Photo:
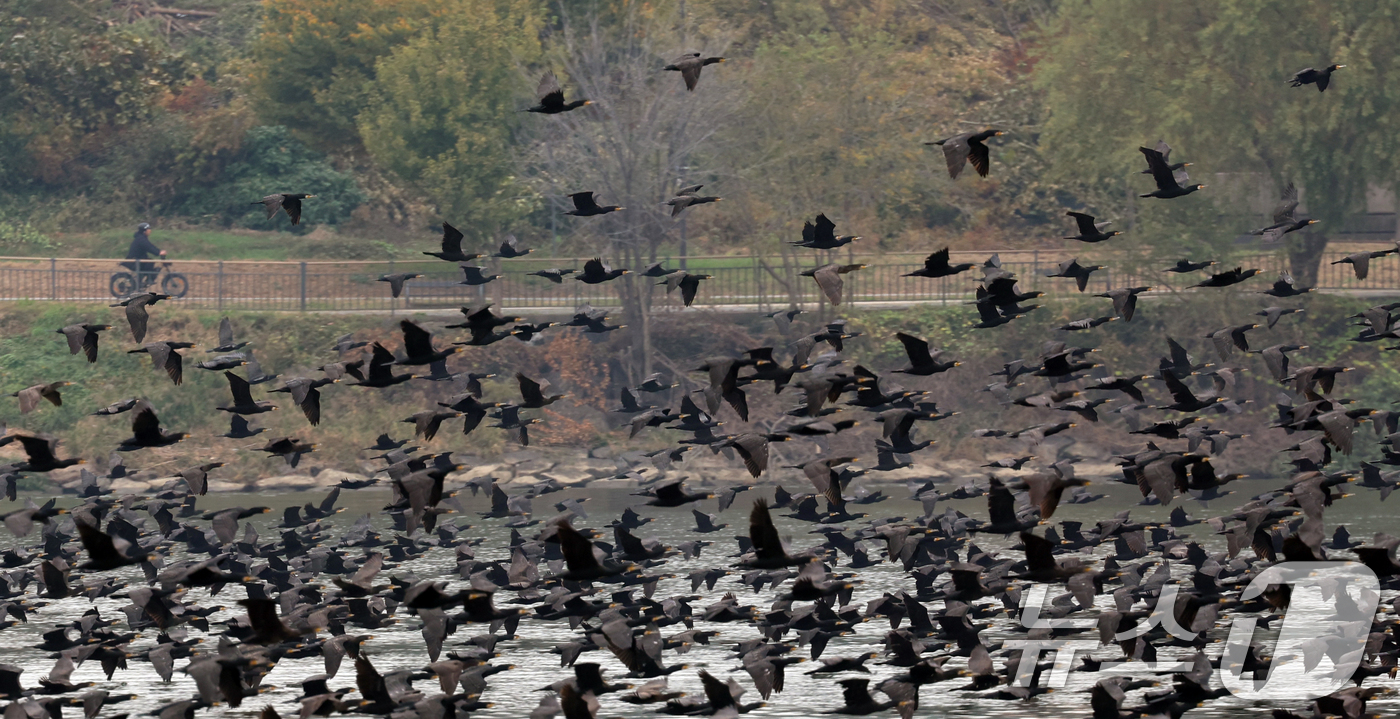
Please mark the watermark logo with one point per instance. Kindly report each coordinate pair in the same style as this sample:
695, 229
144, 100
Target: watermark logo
1323, 636
1321, 639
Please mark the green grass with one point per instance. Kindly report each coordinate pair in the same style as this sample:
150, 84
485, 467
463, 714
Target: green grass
323, 244
293, 343
234, 245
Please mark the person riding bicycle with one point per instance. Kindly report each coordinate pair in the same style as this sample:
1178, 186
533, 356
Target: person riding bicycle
141, 248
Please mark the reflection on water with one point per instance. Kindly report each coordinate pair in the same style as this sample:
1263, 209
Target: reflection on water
514, 692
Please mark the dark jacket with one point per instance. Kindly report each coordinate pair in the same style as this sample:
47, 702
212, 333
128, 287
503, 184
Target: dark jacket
141, 247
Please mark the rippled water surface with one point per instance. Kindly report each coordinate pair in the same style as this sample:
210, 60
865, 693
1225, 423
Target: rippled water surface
514, 693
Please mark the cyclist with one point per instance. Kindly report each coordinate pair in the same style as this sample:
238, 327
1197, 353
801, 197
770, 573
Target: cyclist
141, 248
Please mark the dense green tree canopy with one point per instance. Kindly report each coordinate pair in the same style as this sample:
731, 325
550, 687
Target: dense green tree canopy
315, 60
1211, 76
67, 81
442, 108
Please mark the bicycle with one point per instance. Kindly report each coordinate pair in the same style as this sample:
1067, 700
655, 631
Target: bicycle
124, 284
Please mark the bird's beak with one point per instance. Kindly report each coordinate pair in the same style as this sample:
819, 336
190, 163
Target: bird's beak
588, 102
999, 133
1312, 222
1340, 66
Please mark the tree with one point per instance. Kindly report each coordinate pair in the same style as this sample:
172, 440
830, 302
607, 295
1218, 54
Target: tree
315, 61
1211, 77
67, 80
442, 109
631, 147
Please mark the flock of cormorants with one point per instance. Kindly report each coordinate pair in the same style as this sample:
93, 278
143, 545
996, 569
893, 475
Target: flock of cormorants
306, 595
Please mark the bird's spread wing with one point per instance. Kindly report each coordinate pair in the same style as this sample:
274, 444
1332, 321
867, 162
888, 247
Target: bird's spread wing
955, 152
242, 395
1161, 171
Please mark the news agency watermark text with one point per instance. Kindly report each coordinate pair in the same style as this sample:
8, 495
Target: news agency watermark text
1321, 639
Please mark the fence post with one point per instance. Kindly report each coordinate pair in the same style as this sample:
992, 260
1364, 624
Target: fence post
53, 278
758, 281
303, 286
220, 285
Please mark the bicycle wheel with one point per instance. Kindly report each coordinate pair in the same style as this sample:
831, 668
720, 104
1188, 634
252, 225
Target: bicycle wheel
174, 285
122, 284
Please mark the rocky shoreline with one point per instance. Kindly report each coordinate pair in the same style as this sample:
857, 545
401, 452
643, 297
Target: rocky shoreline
529, 466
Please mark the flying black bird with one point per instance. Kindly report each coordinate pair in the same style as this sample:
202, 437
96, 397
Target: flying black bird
582, 565
828, 279
83, 338
822, 235
1310, 76
1124, 300
452, 246
595, 272
586, 206
688, 197
1090, 231
688, 283
551, 97
306, 395
1184, 266
768, 551
166, 356
921, 361
554, 275
397, 280
1283, 220
1178, 168
1361, 261
689, 66
289, 449
284, 202
1227, 338
1071, 269
418, 346
104, 553
1283, 287
510, 249
41, 452
936, 265
967, 148
426, 422
1272, 314
532, 393
227, 342
1167, 183
243, 402
1087, 323
1227, 278
673, 494
655, 269
146, 430
268, 628
29, 397
136, 314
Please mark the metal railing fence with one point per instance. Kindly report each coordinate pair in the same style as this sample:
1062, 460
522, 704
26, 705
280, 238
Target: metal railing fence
759, 282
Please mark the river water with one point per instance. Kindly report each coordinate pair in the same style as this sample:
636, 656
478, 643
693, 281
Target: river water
514, 693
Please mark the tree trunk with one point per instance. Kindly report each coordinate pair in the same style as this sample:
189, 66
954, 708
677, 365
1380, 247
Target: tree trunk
636, 300
1305, 249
